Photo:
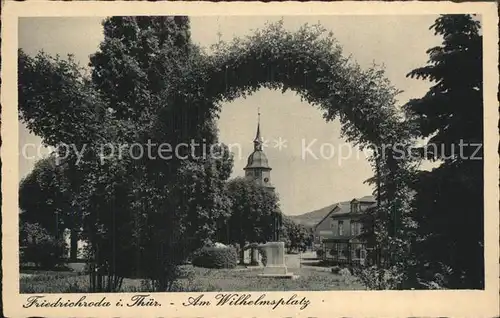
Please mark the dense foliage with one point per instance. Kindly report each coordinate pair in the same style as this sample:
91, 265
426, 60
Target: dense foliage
379, 278
125, 203
363, 100
216, 257
296, 236
40, 247
150, 84
253, 211
44, 199
449, 203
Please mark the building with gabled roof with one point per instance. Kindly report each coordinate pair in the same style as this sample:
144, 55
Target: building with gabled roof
338, 233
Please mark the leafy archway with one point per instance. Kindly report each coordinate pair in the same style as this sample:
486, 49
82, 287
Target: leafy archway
311, 64
152, 84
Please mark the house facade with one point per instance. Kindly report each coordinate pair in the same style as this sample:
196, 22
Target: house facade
338, 233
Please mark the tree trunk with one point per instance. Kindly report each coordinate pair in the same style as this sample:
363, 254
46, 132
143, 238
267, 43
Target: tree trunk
73, 253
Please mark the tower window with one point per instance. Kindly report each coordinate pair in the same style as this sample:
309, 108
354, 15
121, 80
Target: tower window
258, 173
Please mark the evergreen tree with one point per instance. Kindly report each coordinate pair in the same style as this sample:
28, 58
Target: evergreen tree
449, 203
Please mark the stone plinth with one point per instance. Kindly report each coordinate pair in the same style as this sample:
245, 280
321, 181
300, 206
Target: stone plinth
275, 263
254, 253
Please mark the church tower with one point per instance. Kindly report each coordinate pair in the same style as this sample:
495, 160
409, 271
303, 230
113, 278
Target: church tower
257, 166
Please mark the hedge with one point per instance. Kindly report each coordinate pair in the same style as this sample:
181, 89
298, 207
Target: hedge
216, 257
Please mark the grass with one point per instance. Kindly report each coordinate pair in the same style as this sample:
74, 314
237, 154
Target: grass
310, 280
198, 280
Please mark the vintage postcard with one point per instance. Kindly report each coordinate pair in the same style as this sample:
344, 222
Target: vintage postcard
183, 159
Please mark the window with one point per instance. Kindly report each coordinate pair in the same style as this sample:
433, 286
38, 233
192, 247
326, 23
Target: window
341, 228
355, 207
354, 228
358, 253
258, 173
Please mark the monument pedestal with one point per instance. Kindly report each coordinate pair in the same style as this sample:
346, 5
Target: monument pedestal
275, 261
254, 257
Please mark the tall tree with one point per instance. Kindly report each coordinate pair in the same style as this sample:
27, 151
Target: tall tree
137, 60
57, 102
252, 213
449, 203
44, 199
296, 235
127, 100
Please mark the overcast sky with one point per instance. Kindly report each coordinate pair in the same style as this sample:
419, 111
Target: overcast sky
303, 182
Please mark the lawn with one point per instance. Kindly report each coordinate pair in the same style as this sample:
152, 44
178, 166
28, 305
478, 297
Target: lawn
198, 280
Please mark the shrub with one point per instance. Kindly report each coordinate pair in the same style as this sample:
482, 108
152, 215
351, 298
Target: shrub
345, 272
39, 247
186, 272
435, 277
214, 257
348, 278
376, 278
335, 269
319, 253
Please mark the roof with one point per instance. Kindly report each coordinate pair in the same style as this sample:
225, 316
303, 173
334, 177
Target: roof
258, 138
368, 198
257, 159
328, 214
310, 219
365, 199
344, 208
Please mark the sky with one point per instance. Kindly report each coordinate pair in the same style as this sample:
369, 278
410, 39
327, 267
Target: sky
304, 180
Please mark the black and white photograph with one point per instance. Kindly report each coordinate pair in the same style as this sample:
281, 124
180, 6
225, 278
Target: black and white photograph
233, 154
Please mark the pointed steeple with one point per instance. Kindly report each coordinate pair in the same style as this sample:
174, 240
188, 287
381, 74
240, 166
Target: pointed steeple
257, 166
257, 142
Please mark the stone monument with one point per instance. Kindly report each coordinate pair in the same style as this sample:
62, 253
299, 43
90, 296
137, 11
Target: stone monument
275, 261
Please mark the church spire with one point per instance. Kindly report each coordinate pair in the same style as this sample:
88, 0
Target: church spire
257, 142
257, 166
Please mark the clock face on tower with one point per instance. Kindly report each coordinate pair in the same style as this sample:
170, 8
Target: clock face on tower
266, 179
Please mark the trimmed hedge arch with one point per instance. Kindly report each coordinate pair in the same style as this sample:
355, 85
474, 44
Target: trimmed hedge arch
310, 63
